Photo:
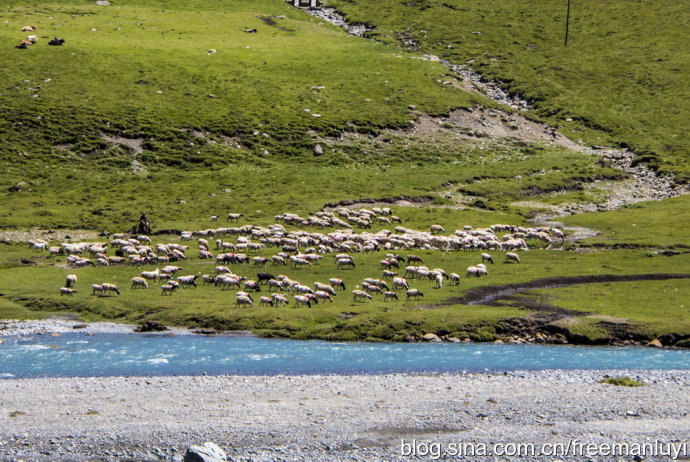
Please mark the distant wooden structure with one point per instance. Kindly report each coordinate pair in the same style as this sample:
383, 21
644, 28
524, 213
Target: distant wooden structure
304, 3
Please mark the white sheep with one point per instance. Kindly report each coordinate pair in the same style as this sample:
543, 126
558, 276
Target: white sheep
454, 279
67, 291
414, 293
187, 280
400, 283
279, 299
151, 275
107, 288
169, 287
71, 280
301, 300
139, 283
321, 294
487, 257
512, 257
388, 295
243, 300
439, 281
337, 283
360, 295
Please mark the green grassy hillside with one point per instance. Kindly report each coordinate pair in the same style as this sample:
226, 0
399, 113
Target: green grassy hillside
622, 78
143, 70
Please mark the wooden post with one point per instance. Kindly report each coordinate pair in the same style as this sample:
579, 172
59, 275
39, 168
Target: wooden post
567, 24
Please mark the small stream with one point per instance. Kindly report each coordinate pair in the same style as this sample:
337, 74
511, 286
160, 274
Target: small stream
80, 355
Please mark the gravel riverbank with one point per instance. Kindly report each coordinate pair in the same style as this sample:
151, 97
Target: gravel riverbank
61, 326
332, 418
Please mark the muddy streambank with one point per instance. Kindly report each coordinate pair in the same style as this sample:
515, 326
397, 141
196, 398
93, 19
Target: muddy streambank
546, 323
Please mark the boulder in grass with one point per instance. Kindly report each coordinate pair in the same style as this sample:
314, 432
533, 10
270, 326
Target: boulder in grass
318, 150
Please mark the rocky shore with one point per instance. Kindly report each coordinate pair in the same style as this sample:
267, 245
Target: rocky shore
61, 326
333, 418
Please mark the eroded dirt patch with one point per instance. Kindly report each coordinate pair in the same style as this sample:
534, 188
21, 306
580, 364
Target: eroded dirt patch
489, 295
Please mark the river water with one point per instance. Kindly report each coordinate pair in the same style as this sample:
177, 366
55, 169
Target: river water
78, 355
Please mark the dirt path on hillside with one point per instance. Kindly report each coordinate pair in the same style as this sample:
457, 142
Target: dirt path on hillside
643, 185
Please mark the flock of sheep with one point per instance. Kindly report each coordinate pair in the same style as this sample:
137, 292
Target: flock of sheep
33, 39
297, 249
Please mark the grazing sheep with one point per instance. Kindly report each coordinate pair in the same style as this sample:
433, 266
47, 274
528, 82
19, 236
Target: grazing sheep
279, 299
345, 262
337, 283
263, 301
139, 283
168, 288
389, 274
252, 286
263, 278
96, 289
299, 262
321, 294
454, 279
512, 257
437, 229
277, 260
400, 283
234, 217
360, 295
260, 261
302, 300
439, 281
414, 293
187, 280
487, 257
152, 275
107, 288
477, 271
388, 295
242, 300
208, 279
415, 258
67, 291
71, 280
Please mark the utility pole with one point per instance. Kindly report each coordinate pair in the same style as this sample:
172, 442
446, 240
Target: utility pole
567, 24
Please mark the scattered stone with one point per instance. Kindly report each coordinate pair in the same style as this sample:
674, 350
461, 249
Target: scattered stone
318, 150
103, 2
431, 337
655, 343
150, 326
22, 185
206, 331
207, 452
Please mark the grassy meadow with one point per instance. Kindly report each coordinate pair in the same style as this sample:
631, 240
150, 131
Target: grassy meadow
174, 108
621, 79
